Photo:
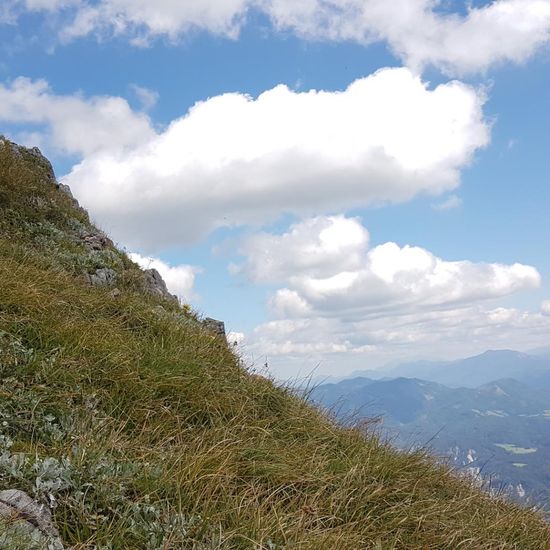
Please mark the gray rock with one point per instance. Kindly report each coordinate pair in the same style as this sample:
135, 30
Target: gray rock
96, 241
215, 326
115, 293
102, 277
27, 524
65, 189
154, 284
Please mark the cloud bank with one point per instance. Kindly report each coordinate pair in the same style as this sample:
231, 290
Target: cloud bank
420, 32
330, 271
346, 304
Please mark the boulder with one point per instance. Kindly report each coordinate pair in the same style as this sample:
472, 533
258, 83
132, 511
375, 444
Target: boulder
26, 523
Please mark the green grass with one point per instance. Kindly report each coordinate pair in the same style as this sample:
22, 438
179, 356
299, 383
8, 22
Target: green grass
146, 431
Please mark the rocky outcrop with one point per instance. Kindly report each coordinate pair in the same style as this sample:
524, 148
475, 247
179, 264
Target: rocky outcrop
26, 524
154, 284
215, 326
33, 155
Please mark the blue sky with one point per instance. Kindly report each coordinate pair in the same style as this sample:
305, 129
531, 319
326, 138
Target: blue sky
397, 211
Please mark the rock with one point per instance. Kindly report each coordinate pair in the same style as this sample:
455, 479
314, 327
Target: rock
154, 284
102, 277
96, 241
115, 293
27, 524
215, 326
66, 189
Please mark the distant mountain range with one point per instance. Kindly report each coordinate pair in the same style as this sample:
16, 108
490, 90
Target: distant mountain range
474, 371
489, 414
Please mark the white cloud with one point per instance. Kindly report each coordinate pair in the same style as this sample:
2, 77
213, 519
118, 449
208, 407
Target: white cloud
448, 204
235, 338
329, 271
235, 160
315, 246
145, 19
179, 279
347, 306
503, 30
416, 30
72, 123
545, 307
49, 5
148, 98
10, 10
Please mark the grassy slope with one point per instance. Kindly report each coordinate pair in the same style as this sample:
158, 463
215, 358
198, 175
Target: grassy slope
147, 432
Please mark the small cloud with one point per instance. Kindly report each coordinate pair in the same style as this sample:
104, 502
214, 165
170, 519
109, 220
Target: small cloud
512, 143
148, 98
451, 202
299, 84
545, 307
235, 338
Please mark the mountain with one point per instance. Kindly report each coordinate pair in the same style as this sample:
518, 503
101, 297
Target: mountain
474, 371
500, 430
137, 427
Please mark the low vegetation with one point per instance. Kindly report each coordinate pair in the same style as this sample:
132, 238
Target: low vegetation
142, 430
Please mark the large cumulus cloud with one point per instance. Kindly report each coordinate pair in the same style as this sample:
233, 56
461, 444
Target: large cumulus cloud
235, 160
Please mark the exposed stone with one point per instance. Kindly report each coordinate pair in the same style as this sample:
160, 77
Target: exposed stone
66, 189
102, 277
96, 241
215, 326
26, 523
115, 293
154, 284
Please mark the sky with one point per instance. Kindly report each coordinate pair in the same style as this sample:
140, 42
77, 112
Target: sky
346, 183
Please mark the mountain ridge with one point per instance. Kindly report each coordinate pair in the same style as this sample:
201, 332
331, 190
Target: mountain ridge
471, 371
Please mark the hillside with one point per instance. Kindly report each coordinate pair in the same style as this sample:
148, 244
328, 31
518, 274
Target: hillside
140, 429
500, 431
